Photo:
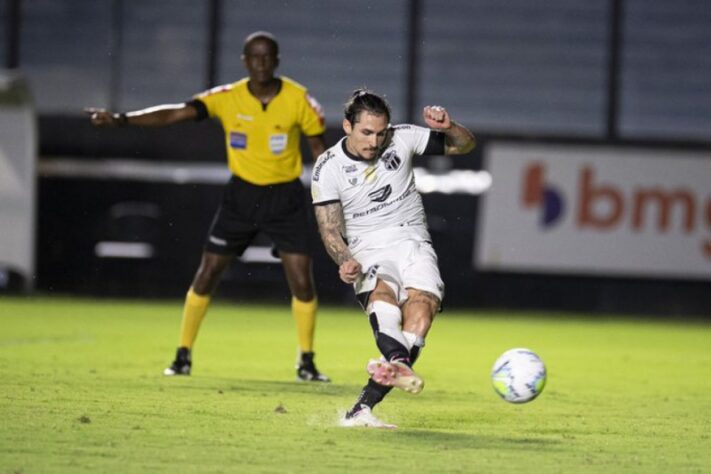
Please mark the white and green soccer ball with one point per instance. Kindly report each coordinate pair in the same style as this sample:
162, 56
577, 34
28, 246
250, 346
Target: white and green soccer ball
519, 375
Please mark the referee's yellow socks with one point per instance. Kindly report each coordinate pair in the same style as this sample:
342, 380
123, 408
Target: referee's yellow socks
305, 316
193, 313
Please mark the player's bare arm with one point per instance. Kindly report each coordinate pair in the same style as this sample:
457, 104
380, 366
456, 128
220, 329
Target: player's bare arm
331, 225
459, 140
157, 116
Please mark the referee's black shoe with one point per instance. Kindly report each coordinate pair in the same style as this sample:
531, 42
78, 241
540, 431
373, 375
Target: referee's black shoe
306, 370
181, 364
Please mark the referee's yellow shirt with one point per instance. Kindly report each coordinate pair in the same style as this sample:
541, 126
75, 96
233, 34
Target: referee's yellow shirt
263, 142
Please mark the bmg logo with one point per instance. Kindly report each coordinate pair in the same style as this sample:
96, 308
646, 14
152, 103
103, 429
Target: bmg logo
537, 193
598, 206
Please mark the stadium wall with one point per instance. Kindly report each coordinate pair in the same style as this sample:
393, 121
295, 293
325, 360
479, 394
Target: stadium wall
124, 213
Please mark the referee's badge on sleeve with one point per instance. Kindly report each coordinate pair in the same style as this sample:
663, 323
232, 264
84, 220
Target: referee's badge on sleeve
238, 140
278, 142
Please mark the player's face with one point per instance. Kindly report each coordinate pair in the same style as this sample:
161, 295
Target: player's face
367, 135
260, 60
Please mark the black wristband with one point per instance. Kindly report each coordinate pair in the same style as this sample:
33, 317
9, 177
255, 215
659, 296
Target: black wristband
121, 119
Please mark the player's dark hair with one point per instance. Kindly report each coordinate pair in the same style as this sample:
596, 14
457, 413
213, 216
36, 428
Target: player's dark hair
363, 100
261, 35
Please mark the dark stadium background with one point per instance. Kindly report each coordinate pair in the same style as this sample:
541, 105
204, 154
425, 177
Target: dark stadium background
627, 73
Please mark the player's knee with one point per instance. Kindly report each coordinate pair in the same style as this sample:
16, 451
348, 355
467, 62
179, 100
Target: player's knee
304, 293
302, 287
208, 276
382, 296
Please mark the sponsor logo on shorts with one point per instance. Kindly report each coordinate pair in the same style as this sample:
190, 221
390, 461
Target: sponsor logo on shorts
371, 273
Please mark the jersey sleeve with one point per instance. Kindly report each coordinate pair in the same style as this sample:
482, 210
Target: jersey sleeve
200, 108
324, 183
421, 140
435, 144
212, 99
311, 119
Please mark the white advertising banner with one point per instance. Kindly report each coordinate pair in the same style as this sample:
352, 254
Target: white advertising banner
18, 157
598, 211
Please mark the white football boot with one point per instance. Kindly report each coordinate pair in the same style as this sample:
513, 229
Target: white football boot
365, 418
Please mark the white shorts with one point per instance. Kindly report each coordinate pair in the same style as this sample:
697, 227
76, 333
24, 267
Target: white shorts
407, 264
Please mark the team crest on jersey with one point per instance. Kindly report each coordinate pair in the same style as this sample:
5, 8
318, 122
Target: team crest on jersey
390, 160
381, 194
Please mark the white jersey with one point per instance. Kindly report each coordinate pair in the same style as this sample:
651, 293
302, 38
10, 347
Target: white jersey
379, 198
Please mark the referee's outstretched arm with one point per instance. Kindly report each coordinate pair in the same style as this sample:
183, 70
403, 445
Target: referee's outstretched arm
157, 116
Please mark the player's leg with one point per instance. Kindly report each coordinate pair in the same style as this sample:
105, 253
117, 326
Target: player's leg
197, 300
231, 232
385, 319
425, 290
418, 313
297, 268
284, 217
394, 370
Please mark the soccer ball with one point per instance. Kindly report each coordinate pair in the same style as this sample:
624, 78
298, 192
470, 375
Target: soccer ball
519, 375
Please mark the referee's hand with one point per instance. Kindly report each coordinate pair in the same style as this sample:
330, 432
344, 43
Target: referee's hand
101, 117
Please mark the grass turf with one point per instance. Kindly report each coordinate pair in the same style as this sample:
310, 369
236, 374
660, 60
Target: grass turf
82, 391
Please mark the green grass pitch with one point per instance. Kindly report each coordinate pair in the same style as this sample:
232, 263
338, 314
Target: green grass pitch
82, 391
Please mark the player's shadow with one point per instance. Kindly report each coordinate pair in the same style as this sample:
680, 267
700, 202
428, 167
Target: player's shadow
447, 440
272, 386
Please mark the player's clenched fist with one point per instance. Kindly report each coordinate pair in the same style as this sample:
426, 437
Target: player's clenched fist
349, 271
436, 117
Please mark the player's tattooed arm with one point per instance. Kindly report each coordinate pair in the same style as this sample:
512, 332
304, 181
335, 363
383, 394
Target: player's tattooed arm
459, 140
332, 227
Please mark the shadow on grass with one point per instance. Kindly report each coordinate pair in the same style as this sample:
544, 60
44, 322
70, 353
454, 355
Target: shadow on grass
230, 385
446, 440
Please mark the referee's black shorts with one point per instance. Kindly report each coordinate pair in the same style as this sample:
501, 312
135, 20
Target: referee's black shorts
278, 210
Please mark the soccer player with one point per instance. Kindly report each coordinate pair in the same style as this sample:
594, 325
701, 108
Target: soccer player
373, 226
263, 117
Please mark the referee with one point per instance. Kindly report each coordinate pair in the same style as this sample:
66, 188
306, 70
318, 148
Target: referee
263, 117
